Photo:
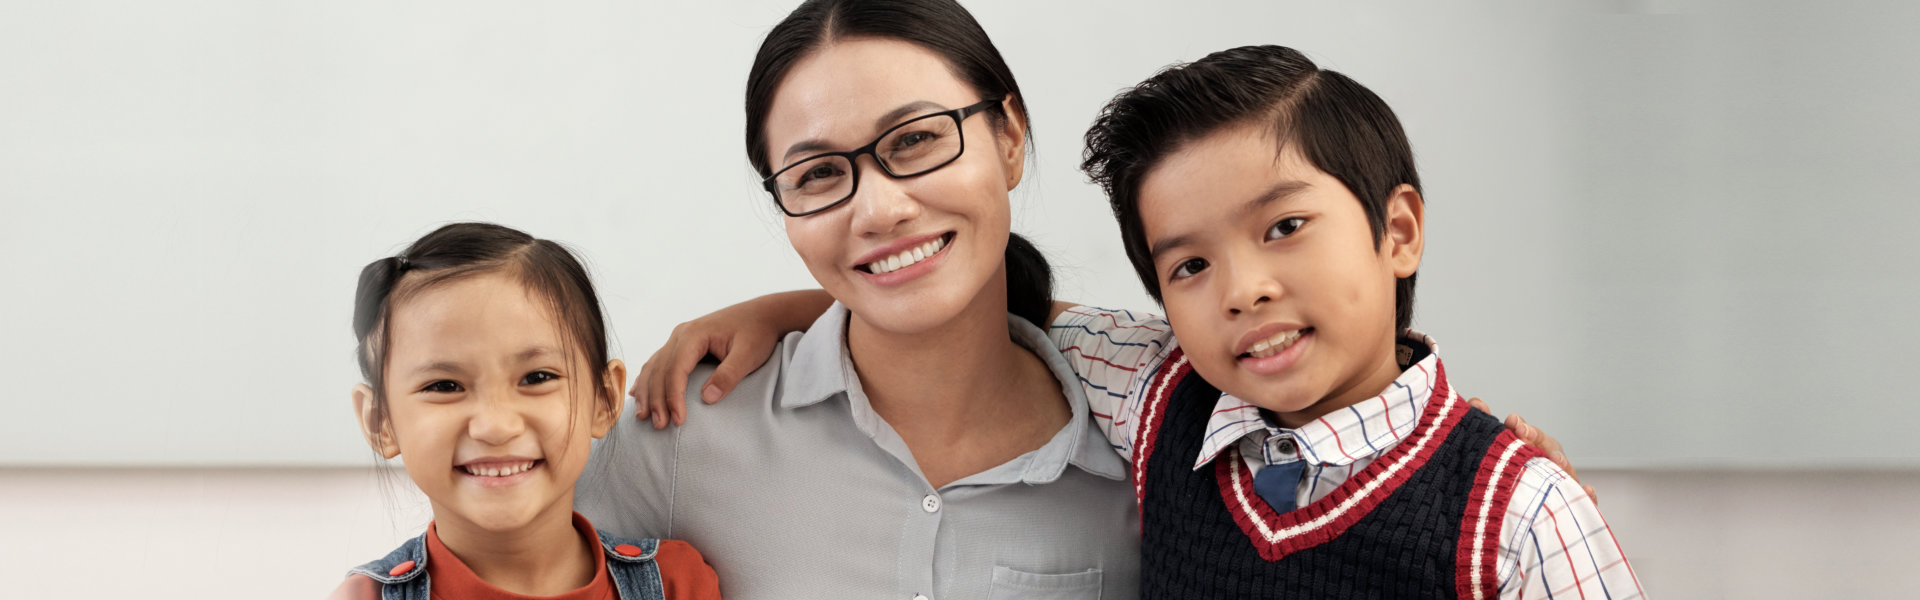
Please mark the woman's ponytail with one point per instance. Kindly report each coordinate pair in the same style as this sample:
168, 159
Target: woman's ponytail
1029, 281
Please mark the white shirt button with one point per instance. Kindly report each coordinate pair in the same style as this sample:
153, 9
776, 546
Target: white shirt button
1285, 445
931, 503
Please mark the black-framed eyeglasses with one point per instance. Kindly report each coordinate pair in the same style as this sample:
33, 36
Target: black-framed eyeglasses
910, 149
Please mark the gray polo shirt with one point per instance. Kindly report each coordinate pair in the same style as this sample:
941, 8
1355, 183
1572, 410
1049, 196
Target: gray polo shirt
793, 487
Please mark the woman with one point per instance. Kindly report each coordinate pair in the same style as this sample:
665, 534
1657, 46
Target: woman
917, 441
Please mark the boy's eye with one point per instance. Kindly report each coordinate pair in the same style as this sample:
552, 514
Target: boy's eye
1188, 268
443, 386
538, 377
1285, 228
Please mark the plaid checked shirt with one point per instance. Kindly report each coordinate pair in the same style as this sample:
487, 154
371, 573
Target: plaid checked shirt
1553, 541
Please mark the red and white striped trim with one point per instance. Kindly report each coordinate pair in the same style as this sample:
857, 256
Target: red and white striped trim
1276, 535
1176, 368
1480, 527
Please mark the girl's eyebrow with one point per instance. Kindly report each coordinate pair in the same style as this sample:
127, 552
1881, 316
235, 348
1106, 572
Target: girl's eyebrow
535, 352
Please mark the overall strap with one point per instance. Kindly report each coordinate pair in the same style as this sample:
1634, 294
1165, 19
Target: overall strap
402, 573
631, 563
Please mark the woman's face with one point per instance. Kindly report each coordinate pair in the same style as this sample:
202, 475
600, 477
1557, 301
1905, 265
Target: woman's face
905, 255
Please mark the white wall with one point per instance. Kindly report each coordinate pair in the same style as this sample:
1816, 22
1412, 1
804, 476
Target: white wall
1667, 231
248, 533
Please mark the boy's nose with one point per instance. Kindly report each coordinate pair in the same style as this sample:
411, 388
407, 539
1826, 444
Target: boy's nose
1250, 289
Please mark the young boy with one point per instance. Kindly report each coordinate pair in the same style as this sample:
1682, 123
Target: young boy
1298, 439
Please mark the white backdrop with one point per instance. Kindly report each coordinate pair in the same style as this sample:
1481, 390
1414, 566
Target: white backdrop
1671, 233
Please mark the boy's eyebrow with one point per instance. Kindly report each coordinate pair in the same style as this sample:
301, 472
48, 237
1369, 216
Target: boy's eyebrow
1280, 191
880, 123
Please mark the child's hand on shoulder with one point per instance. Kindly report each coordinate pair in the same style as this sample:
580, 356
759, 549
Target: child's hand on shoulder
1533, 436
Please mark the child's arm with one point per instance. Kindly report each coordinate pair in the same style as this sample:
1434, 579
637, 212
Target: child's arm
741, 336
1554, 543
1115, 353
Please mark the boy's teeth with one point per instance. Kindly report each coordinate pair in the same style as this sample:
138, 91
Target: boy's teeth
1273, 345
906, 258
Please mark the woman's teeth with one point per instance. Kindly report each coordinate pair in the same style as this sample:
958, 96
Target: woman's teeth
1274, 345
908, 257
498, 469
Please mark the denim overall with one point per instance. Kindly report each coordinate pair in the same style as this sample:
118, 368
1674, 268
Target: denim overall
635, 577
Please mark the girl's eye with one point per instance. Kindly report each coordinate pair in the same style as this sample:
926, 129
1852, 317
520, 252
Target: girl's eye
1285, 228
538, 377
443, 386
1188, 268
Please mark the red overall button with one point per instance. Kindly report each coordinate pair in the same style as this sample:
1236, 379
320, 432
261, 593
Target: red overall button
627, 550
400, 569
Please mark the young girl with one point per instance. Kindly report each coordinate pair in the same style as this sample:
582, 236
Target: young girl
485, 357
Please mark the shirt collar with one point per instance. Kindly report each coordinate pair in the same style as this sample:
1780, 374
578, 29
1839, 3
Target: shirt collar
819, 366
1345, 436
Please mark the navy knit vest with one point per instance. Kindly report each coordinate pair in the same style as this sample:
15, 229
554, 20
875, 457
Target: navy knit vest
1421, 521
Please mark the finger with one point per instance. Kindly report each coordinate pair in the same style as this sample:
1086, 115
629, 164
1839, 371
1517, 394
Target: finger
735, 364
1592, 494
670, 384
638, 393
1476, 402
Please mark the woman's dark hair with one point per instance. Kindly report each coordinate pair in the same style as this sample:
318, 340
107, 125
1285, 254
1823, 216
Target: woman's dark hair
463, 250
941, 26
1338, 125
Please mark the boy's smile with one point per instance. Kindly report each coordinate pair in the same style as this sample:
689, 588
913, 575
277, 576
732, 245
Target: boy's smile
1271, 275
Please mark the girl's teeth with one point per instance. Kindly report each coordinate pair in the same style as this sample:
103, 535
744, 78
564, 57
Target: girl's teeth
500, 471
908, 257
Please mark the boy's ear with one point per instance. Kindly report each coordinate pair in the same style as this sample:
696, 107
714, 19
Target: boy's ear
1012, 142
606, 409
1405, 239
374, 428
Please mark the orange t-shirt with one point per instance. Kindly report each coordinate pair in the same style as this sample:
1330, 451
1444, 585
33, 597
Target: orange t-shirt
683, 574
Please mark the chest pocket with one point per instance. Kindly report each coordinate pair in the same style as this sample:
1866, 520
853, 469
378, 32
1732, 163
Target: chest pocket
1010, 584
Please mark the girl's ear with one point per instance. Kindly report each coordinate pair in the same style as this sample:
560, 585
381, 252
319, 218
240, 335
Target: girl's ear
1405, 238
372, 426
1012, 140
606, 409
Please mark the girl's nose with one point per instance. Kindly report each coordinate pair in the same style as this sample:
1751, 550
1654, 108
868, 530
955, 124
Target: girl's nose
496, 420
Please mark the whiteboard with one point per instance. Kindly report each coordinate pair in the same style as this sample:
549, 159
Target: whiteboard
1670, 233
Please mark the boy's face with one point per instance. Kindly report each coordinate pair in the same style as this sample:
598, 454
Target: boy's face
1270, 275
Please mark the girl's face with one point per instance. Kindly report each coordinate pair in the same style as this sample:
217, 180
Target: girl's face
490, 403
863, 252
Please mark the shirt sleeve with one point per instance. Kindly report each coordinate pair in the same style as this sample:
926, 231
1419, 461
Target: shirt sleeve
1115, 353
1554, 544
684, 574
627, 487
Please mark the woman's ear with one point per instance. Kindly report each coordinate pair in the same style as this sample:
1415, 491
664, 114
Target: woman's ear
374, 427
1012, 141
1405, 238
606, 408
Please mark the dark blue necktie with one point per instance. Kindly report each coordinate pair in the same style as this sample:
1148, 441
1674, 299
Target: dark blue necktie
1277, 484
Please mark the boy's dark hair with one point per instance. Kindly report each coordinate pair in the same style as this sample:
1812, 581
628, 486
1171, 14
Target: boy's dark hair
1337, 125
463, 250
943, 27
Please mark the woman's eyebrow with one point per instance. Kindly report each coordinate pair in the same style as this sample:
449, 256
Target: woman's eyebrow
885, 120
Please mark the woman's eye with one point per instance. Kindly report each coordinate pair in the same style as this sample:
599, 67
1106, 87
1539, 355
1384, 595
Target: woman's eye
1188, 268
1285, 227
538, 377
913, 139
817, 173
442, 387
